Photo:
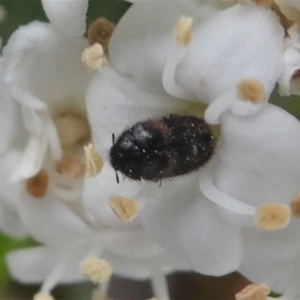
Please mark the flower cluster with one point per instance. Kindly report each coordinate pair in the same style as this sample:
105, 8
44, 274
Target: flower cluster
63, 99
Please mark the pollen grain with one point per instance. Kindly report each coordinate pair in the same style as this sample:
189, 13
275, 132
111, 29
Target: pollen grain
271, 217
125, 209
37, 185
254, 292
251, 89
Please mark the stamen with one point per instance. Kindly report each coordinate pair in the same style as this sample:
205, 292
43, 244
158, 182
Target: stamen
160, 284
72, 127
94, 162
93, 57
70, 166
295, 206
42, 296
125, 209
251, 90
183, 30
254, 292
96, 270
271, 217
37, 186
98, 295
266, 3
100, 32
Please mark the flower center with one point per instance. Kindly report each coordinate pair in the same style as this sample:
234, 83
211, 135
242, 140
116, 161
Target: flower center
73, 129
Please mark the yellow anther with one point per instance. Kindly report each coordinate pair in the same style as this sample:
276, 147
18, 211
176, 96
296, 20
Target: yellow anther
42, 296
94, 162
96, 270
93, 57
251, 90
183, 30
125, 209
271, 217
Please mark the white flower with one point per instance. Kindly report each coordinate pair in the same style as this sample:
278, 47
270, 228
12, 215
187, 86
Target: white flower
222, 66
246, 190
117, 99
45, 76
9, 220
257, 170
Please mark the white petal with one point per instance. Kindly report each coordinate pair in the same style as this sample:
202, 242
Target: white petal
259, 170
10, 222
142, 269
189, 227
32, 159
129, 242
8, 115
141, 41
50, 221
67, 16
97, 192
33, 265
43, 67
115, 104
219, 64
203, 9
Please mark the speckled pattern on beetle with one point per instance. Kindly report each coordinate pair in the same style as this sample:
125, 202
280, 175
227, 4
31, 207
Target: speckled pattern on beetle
163, 148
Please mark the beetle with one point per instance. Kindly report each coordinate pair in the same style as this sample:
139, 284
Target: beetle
162, 148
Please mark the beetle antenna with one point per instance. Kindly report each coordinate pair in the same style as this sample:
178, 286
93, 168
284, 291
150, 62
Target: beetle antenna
113, 138
117, 177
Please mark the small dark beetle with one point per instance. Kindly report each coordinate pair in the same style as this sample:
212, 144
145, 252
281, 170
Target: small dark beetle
163, 148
